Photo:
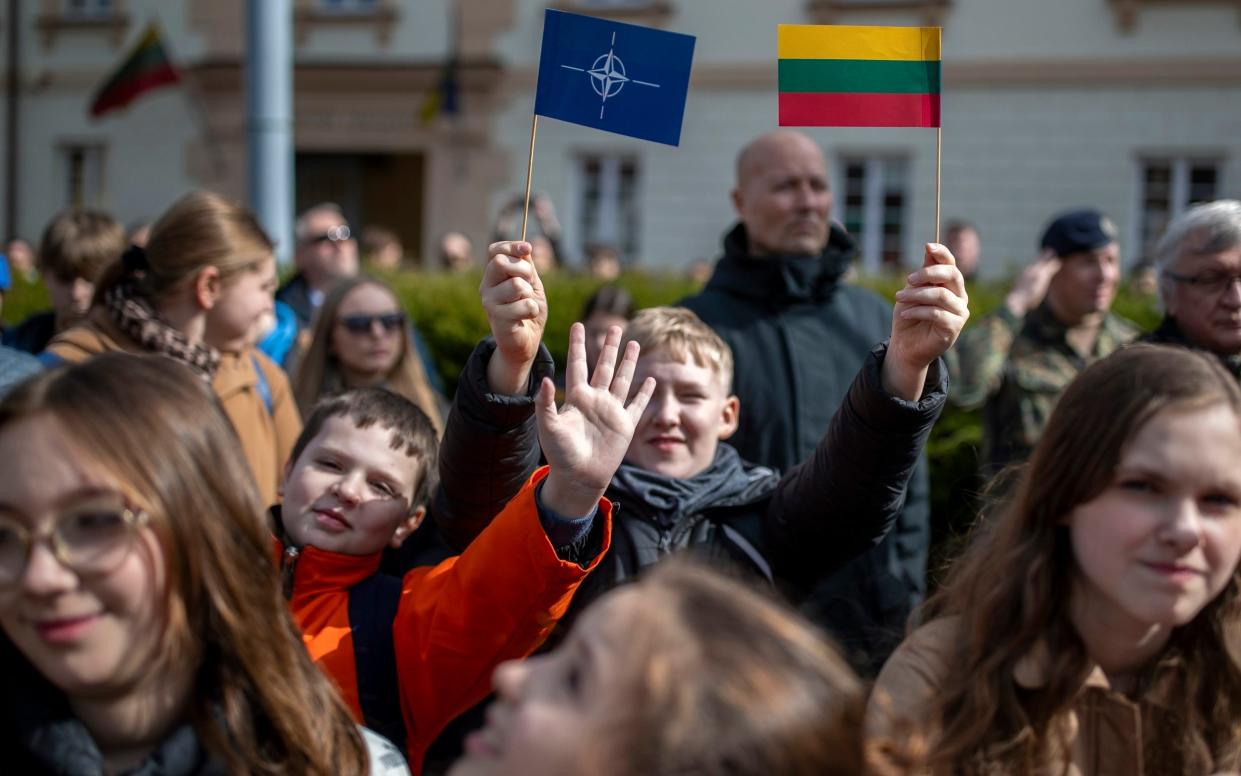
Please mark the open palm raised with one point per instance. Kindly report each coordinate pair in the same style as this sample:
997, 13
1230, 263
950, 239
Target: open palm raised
585, 440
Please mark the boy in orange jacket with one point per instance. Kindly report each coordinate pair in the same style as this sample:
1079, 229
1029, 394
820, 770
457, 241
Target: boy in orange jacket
410, 654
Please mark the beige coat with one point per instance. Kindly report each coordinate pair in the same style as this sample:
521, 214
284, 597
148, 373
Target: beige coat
266, 437
1105, 727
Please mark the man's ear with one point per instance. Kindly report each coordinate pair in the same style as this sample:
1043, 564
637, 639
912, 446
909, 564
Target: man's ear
730, 415
408, 526
207, 287
735, 196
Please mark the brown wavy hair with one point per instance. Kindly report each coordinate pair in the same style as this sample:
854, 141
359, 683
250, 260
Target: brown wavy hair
258, 703
318, 374
723, 680
1010, 592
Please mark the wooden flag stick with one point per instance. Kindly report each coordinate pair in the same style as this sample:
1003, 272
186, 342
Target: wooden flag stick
525, 211
939, 136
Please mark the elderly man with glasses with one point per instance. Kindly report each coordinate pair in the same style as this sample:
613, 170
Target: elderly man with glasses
1198, 261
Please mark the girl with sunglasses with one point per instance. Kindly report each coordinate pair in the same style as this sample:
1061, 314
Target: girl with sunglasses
1095, 625
196, 294
141, 624
361, 339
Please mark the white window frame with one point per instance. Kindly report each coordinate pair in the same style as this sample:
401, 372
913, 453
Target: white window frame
1182, 165
348, 7
870, 240
90, 187
609, 226
93, 9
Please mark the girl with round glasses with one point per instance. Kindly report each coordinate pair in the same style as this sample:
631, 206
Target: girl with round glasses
361, 339
1095, 625
141, 625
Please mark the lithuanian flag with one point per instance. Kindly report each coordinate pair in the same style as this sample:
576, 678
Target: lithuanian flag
146, 67
839, 76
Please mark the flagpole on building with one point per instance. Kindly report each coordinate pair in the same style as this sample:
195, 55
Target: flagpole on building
525, 211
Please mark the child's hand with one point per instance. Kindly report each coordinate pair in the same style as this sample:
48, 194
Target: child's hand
586, 440
927, 319
516, 306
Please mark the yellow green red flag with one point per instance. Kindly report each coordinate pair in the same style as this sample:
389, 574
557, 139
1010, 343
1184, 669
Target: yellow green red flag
847, 76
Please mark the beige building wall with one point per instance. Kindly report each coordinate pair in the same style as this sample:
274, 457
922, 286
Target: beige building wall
1047, 105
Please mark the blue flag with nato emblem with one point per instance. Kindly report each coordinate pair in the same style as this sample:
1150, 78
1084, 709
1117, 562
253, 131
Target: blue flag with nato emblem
614, 76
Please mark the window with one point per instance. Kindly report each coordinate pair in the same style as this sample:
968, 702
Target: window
607, 212
58, 16
930, 12
648, 12
81, 174
1127, 11
1166, 186
875, 196
609, 5
348, 6
88, 8
379, 15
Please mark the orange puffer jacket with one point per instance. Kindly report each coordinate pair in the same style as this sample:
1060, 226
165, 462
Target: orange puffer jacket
450, 624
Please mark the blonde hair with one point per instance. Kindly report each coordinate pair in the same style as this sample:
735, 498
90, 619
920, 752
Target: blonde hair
679, 333
199, 230
318, 374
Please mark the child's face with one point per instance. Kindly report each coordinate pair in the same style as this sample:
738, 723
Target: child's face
688, 415
550, 709
70, 297
349, 491
243, 300
91, 626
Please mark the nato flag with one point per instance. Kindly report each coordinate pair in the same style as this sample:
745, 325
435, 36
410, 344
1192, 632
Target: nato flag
614, 76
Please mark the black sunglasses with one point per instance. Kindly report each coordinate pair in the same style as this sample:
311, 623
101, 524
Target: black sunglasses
362, 324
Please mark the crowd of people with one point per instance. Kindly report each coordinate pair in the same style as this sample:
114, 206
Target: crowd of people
243, 529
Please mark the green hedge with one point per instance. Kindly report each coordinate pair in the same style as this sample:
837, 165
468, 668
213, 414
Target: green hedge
447, 311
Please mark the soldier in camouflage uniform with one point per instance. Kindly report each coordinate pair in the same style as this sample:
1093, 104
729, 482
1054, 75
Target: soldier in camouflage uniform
1199, 265
1015, 362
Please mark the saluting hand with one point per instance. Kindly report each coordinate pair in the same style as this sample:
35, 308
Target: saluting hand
928, 317
587, 438
516, 305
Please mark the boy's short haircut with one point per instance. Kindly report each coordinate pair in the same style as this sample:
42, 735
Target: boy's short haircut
412, 431
80, 243
678, 332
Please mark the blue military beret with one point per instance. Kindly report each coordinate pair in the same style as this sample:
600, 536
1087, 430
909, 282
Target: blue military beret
1077, 231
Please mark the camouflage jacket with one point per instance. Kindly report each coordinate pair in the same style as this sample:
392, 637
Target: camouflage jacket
1169, 333
1016, 369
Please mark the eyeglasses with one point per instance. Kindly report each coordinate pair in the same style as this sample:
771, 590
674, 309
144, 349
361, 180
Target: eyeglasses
334, 235
1207, 282
91, 540
362, 324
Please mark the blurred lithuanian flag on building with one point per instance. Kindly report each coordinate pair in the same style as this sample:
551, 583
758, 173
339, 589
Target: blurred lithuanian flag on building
146, 67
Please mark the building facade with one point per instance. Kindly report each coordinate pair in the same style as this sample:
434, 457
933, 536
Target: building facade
1131, 106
